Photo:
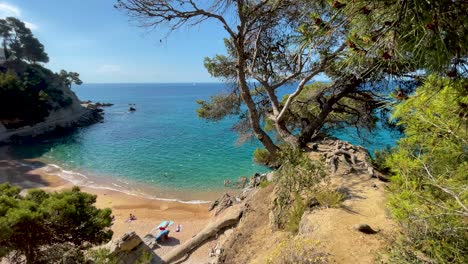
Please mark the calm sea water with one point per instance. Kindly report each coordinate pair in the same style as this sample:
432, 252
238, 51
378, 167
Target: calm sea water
162, 145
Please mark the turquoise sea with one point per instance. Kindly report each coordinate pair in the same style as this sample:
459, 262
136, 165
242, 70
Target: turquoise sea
161, 150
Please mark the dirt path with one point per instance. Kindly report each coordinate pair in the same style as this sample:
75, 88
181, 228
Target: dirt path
334, 228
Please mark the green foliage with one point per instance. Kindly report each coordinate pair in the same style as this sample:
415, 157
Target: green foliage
145, 258
329, 198
296, 181
262, 156
297, 250
264, 183
428, 194
221, 67
101, 256
19, 41
355, 109
30, 225
379, 160
28, 92
218, 107
409, 35
69, 78
295, 214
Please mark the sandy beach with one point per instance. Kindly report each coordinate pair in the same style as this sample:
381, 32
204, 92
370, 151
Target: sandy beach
149, 212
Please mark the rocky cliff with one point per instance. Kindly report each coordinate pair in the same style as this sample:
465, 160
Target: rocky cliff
71, 116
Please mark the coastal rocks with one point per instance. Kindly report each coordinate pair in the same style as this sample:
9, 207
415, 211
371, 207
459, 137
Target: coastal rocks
130, 248
126, 243
257, 179
98, 104
340, 154
58, 120
270, 176
216, 252
222, 203
249, 183
89, 104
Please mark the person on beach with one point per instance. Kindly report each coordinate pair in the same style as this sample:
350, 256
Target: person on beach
131, 218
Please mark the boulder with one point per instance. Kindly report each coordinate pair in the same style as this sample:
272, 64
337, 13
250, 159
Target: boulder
224, 202
130, 248
270, 176
127, 242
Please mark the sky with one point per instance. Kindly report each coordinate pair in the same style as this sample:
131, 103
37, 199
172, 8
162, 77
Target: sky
99, 42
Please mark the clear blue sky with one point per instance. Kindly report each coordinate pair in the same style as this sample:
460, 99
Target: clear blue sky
94, 39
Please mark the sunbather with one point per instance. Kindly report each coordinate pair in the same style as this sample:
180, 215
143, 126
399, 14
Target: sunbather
131, 218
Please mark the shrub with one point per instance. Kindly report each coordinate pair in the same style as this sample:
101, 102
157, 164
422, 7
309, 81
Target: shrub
101, 256
428, 193
31, 226
379, 160
295, 214
329, 198
264, 183
263, 157
297, 178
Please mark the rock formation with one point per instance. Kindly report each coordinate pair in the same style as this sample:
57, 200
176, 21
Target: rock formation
130, 248
74, 115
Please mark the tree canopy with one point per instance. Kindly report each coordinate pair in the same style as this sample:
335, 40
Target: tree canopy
30, 225
19, 42
29, 91
275, 43
429, 193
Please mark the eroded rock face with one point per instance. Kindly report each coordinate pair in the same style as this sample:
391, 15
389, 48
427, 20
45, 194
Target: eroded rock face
130, 248
73, 115
126, 243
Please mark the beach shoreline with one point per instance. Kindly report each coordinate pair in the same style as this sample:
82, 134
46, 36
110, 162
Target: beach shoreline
150, 212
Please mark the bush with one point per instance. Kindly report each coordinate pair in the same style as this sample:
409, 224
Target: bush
32, 225
101, 256
296, 179
295, 214
329, 198
379, 160
428, 193
263, 157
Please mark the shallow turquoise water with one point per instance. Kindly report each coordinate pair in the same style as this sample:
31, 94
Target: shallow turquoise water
163, 143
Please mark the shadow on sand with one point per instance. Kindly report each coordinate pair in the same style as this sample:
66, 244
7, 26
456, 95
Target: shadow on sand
18, 161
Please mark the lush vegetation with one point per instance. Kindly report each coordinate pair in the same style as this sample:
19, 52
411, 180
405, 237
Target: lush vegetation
429, 194
28, 91
37, 225
296, 185
360, 45
278, 43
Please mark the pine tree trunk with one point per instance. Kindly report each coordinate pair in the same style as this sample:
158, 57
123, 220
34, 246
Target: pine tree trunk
254, 117
348, 86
